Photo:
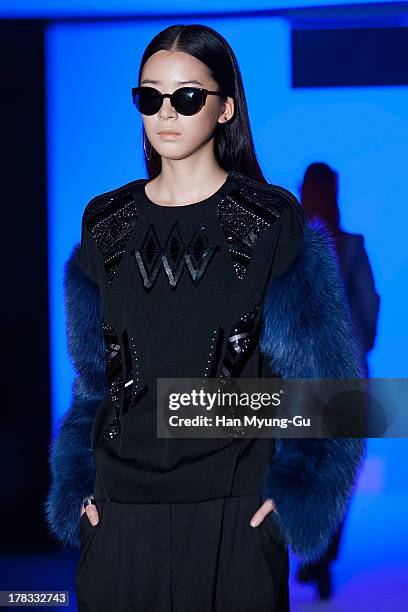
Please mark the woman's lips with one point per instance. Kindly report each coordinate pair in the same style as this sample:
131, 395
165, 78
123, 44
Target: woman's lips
169, 135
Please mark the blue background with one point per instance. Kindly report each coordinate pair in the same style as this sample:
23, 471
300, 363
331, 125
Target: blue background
94, 144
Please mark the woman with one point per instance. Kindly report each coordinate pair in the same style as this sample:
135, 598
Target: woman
201, 270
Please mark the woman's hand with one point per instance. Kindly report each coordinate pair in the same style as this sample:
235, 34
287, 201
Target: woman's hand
263, 511
92, 513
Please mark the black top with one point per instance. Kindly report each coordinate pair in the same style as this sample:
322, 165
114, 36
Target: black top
182, 290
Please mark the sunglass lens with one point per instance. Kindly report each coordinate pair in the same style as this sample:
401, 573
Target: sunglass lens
147, 101
187, 100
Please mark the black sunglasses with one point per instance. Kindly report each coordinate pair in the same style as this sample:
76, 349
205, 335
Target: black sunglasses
185, 100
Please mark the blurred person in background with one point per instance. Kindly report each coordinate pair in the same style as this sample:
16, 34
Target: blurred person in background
319, 192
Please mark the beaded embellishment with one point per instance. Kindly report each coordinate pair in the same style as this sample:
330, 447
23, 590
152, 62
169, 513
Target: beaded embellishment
242, 341
174, 256
244, 214
217, 338
110, 219
133, 388
113, 429
124, 380
114, 375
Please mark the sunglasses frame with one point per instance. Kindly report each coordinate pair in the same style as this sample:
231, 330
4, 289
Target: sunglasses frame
204, 93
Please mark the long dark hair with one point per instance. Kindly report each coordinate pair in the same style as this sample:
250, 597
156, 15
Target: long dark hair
234, 146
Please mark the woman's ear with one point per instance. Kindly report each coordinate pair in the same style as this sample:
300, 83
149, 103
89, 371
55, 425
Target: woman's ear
227, 111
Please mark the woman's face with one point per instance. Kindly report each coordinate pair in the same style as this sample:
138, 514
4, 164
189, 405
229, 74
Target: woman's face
167, 71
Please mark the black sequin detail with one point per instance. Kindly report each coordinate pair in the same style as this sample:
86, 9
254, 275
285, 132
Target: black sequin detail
174, 255
128, 377
114, 373
244, 215
113, 429
110, 219
133, 390
122, 370
138, 388
114, 368
242, 341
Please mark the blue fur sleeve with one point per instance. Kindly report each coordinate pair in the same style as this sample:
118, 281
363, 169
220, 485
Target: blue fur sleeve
70, 454
307, 333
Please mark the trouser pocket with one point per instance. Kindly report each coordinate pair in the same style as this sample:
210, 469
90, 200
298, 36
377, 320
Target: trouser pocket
271, 530
88, 534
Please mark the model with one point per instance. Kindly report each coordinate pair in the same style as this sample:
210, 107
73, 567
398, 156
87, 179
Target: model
201, 270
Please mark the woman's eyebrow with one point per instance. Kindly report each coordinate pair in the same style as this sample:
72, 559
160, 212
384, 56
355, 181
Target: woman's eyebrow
192, 81
177, 83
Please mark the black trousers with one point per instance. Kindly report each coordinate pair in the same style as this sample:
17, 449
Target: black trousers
201, 557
